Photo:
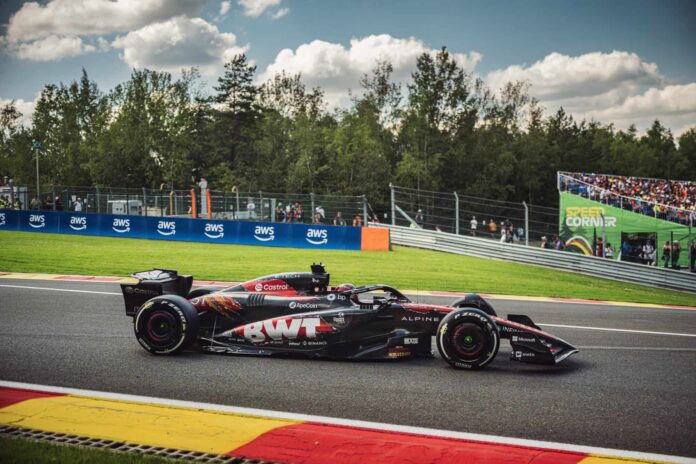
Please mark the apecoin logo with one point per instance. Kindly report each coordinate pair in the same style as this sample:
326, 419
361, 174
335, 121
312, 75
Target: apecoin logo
264, 233
214, 230
37, 221
78, 222
317, 236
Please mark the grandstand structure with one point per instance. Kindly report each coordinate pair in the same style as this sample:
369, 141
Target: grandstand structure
640, 217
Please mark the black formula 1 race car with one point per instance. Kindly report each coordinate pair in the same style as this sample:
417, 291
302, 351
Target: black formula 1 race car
299, 314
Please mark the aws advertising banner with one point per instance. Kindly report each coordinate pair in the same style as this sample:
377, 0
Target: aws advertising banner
581, 220
184, 229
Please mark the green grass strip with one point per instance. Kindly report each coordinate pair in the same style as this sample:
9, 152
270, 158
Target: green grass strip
406, 268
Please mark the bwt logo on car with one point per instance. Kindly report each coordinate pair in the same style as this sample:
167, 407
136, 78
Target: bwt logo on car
264, 233
166, 227
317, 236
78, 222
37, 221
121, 225
214, 230
280, 329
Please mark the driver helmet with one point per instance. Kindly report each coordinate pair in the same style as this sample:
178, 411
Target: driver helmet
345, 287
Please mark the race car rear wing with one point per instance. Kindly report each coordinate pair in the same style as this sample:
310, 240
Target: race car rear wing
151, 284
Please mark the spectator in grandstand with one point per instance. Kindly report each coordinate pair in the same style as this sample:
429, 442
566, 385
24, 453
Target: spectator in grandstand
58, 204
492, 227
320, 209
280, 213
544, 242
47, 203
599, 247
419, 218
676, 251
608, 251
474, 225
648, 253
666, 253
298, 212
77, 206
357, 221
692, 256
35, 203
289, 212
4, 203
503, 235
558, 243
318, 219
338, 220
17, 204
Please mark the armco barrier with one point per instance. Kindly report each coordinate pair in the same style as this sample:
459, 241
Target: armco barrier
574, 262
184, 229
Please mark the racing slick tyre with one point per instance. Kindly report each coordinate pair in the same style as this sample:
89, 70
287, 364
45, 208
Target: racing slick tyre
472, 300
467, 338
166, 324
200, 291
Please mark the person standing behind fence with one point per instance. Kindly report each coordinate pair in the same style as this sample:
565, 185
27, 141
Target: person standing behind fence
492, 228
676, 251
609, 251
666, 253
338, 220
357, 221
474, 226
35, 203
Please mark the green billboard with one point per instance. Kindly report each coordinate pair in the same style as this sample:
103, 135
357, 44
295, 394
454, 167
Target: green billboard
581, 223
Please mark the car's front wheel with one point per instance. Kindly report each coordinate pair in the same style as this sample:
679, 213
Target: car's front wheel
166, 324
468, 338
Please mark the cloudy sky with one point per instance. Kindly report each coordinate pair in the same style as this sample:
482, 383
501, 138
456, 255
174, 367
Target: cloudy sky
616, 61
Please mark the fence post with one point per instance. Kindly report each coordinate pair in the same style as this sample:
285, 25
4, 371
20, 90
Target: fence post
526, 223
393, 210
144, 201
311, 213
98, 201
364, 199
261, 205
456, 213
53, 196
127, 202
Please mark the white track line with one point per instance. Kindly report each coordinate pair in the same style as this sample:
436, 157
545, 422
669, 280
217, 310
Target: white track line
607, 329
636, 348
59, 289
356, 423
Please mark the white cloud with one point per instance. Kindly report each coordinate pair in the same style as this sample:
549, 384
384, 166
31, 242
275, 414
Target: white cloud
178, 43
52, 48
280, 13
560, 76
255, 8
617, 87
225, 7
92, 17
337, 68
24, 107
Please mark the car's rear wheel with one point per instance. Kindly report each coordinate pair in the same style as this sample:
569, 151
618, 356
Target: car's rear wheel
166, 324
468, 338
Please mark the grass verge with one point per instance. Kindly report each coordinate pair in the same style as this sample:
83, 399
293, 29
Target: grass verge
23, 451
406, 268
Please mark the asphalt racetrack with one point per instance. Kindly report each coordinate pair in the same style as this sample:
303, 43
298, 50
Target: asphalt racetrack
626, 389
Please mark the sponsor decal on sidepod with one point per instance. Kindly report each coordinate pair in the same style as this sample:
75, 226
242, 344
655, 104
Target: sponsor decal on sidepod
121, 226
281, 328
214, 230
317, 236
264, 233
78, 222
37, 221
166, 227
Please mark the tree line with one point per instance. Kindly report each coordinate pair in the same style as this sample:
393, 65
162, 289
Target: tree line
445, 131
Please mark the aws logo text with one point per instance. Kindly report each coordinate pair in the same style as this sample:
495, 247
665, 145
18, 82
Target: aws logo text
214, 230
264, 233
78, 222
37, 221
166, 227
317, 236
121, 226
2, 219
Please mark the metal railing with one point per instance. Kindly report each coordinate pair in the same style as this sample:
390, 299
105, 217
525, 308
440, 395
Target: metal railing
466, 215
573, 262
232, 205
